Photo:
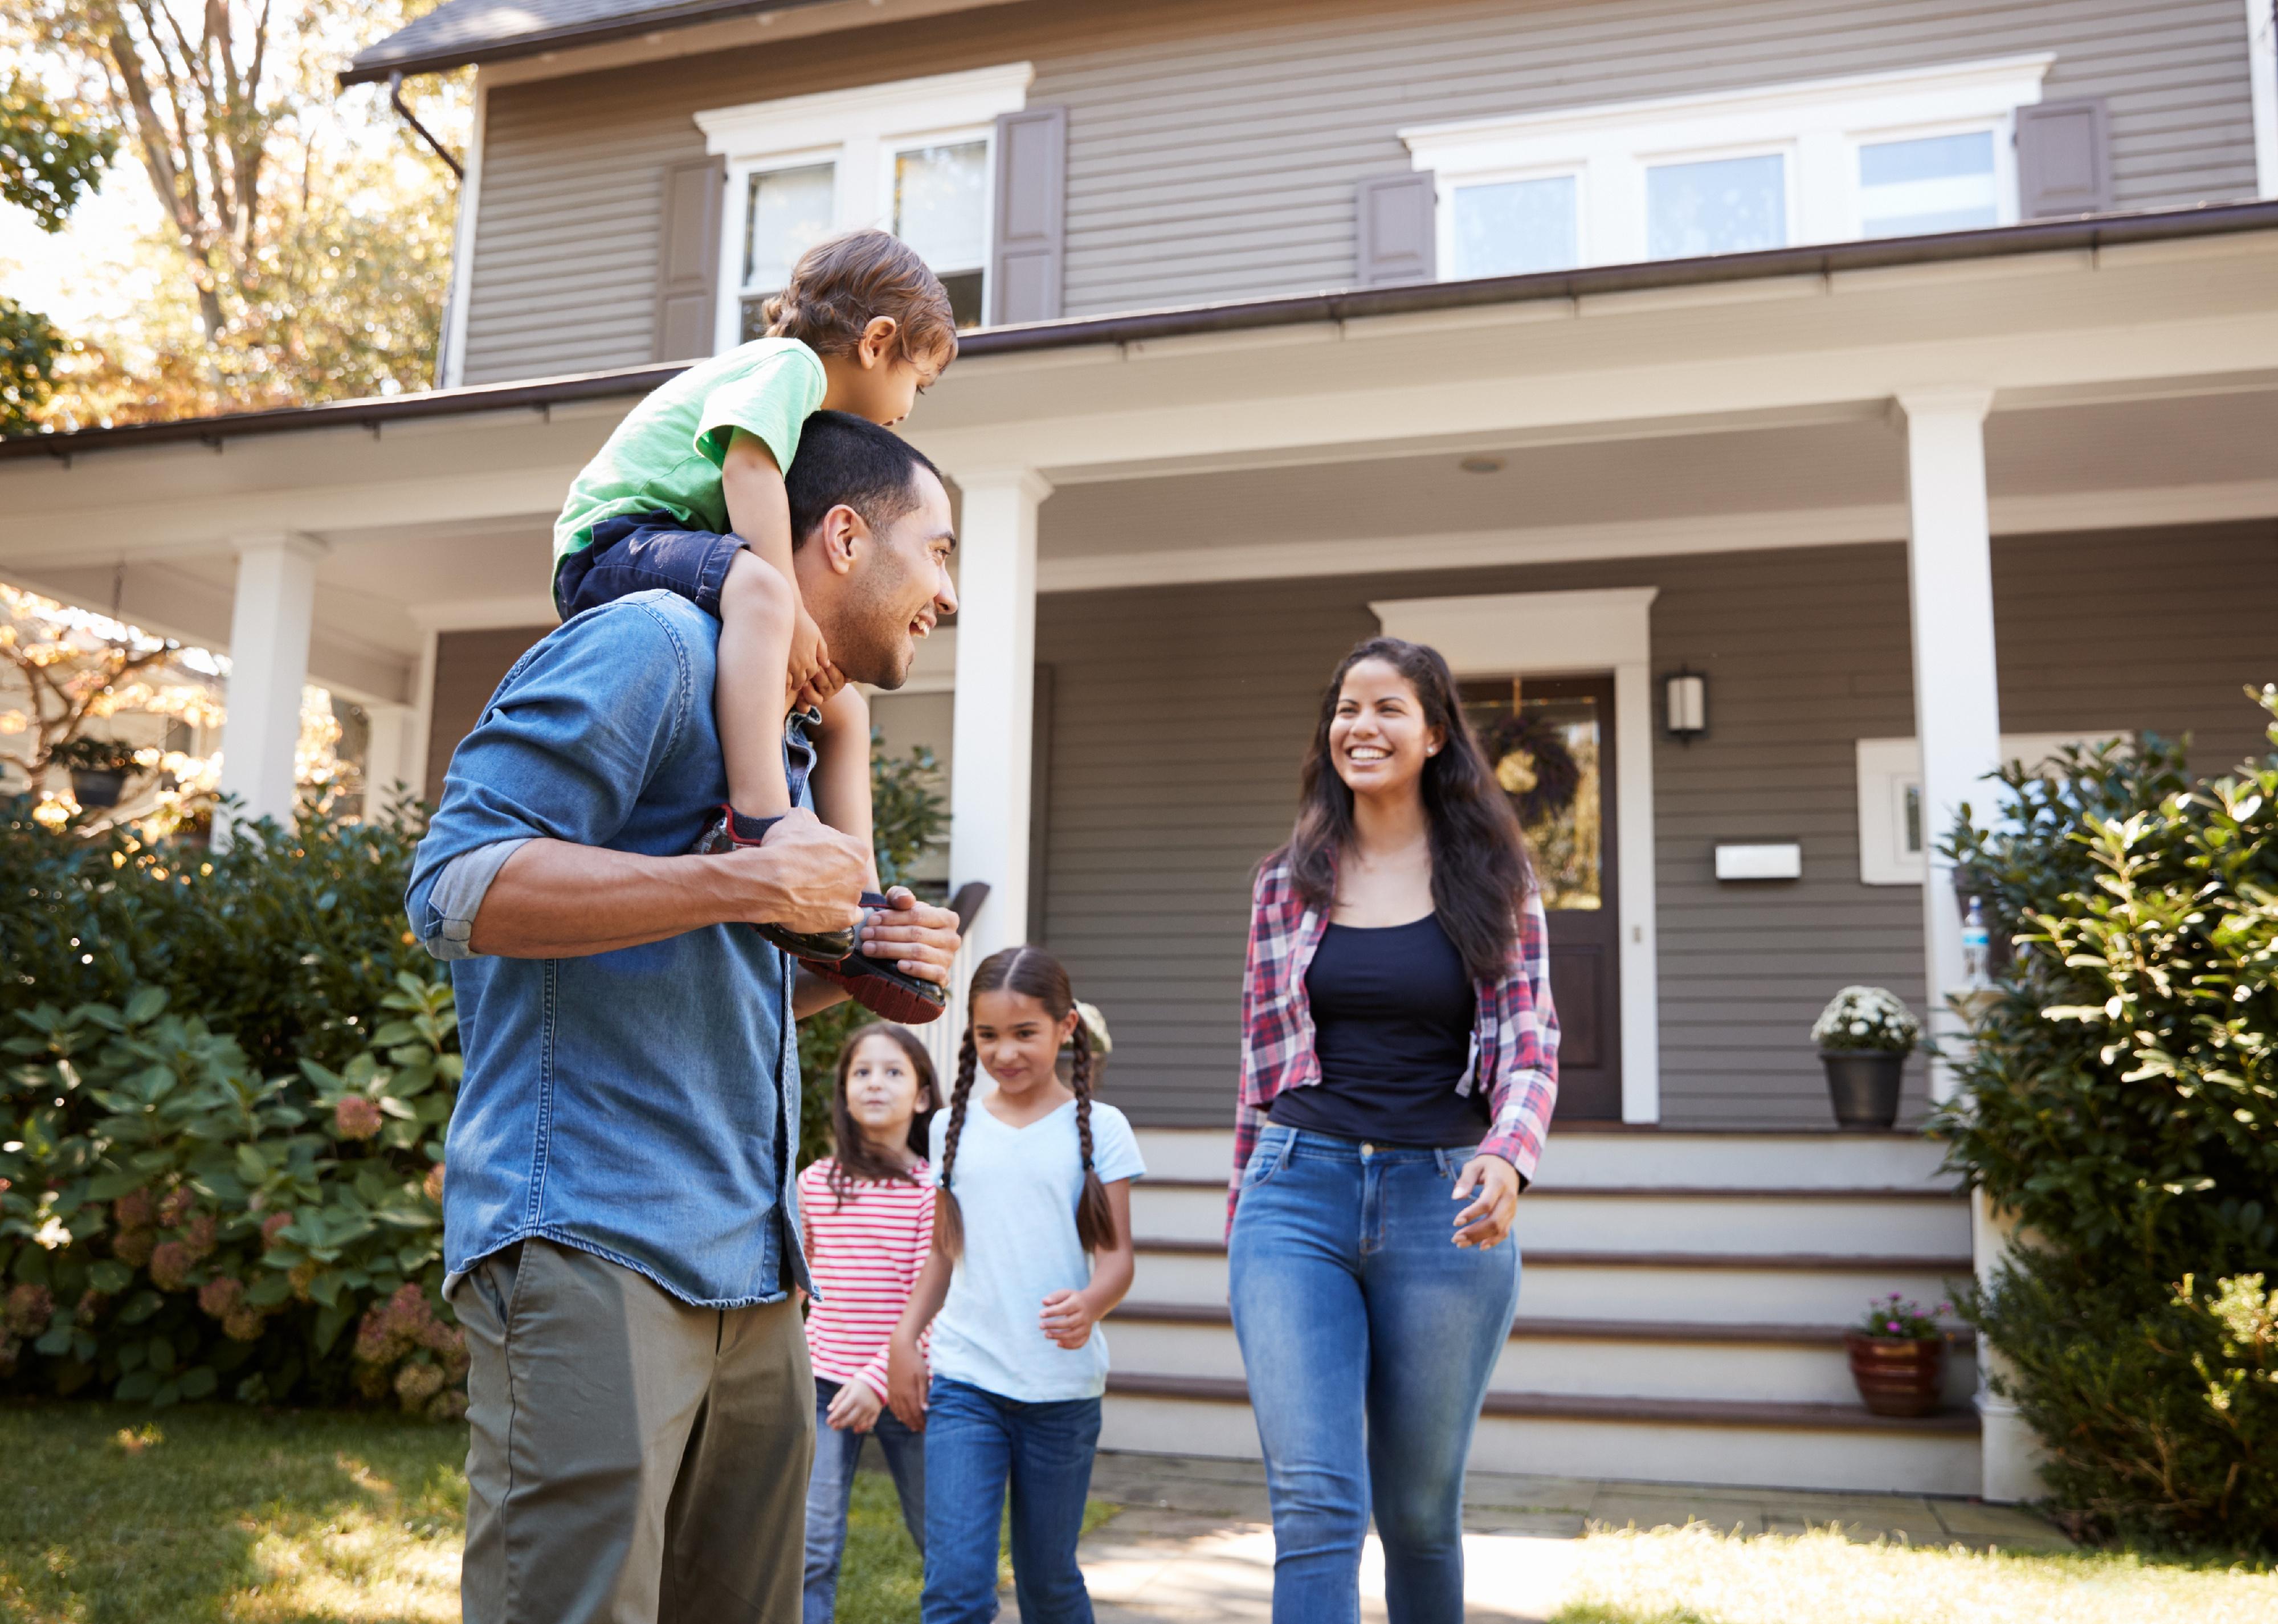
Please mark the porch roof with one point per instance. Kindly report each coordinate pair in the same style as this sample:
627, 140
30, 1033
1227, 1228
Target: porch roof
2087, 233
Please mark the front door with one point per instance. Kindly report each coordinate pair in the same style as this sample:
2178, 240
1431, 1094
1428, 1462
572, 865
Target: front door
1549, 741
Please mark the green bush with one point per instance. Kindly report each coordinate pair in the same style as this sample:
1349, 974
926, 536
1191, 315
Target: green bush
2121, 1099
171, 1220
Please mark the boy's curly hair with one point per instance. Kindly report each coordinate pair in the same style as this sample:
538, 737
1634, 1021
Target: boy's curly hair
843, 283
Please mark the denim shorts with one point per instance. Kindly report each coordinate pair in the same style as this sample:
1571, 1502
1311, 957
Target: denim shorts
637, 552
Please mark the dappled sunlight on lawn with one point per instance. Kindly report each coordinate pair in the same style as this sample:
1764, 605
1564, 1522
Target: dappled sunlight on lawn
1697, 1576
226, 1515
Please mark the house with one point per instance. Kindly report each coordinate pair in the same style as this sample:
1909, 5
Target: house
1893, 387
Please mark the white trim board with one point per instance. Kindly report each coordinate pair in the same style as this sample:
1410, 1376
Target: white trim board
1537, 633
464, 230
2262, 77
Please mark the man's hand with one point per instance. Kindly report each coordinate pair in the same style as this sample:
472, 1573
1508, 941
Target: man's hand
854, 1408
915, 938
806, 875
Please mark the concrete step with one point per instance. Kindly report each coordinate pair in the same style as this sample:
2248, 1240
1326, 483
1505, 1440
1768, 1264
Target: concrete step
1642, 1217
1716, 1288
1793, 1445
1580, 1358
1599, 1153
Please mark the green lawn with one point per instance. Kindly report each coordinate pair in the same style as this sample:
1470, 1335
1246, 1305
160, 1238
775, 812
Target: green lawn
111, 1515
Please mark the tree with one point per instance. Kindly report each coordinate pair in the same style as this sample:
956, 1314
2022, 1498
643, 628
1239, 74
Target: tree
50, 157
306, 243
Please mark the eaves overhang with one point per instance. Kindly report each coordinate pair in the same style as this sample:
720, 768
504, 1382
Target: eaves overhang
375, 63
2084, 234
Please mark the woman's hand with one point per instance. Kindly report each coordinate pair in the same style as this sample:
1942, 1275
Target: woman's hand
855, 1408
1068, 1318
1488, 1220
906, 1382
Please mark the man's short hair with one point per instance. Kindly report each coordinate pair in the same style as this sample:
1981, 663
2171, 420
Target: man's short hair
844, 458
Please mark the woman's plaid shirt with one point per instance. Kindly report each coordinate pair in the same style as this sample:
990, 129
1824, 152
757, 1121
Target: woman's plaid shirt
1514, 1041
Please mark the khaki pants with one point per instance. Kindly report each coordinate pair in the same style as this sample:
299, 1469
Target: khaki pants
632, 1461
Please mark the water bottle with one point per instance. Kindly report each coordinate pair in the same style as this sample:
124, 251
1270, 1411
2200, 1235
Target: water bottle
1976, 947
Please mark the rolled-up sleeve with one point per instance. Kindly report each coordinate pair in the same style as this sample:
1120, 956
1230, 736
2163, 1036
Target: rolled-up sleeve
562, 752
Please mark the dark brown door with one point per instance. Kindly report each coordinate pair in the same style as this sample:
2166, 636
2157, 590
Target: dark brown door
1550, 742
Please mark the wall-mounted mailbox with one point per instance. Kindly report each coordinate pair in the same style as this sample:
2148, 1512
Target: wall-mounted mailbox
1760, 860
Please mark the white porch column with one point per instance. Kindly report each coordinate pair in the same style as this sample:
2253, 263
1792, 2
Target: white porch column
268, 666
1957, 702
1958, 719
995, 713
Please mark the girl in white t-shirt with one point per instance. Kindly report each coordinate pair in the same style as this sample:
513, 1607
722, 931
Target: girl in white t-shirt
1032, 1248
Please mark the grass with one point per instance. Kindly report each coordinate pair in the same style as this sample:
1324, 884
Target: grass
1696, 1575
113, 1516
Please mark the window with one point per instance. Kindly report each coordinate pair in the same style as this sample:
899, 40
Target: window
1716, 206
1928, 183
915, 157
787, 211
1508, 227
941, 209
1873, 155
1891, 850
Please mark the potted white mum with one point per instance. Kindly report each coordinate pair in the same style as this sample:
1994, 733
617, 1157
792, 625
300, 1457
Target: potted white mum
1864, 1035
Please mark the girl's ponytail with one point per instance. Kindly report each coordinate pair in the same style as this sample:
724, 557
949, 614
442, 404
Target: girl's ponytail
1094, 1219
948, 1223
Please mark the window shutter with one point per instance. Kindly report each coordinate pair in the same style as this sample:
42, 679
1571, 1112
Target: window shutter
1028, 258
688, 259
1397, 219
2064, 159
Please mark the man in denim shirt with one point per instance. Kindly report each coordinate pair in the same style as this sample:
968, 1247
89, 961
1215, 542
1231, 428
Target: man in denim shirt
618, 1213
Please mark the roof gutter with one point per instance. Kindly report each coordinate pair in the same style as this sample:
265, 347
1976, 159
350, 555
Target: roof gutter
371, 68
2086, 233
396, 100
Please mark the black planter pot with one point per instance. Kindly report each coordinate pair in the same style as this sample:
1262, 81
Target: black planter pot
1862, 1085
94, 788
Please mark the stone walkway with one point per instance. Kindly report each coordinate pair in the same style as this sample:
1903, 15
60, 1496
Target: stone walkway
1194, 1543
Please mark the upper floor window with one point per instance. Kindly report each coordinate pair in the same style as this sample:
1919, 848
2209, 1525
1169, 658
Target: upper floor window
915, 157
1866, 156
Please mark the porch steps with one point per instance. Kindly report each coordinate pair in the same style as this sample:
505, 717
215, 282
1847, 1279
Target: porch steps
1680, 1320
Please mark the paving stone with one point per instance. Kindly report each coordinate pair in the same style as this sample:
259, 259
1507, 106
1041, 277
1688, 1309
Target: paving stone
2006, 1525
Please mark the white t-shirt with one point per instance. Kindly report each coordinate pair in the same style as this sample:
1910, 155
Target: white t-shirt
1016, 1189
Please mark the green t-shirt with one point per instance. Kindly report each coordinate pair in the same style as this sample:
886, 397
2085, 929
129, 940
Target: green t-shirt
666, 454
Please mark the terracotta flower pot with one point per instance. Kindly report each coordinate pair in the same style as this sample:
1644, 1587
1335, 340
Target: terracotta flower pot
1898, 1375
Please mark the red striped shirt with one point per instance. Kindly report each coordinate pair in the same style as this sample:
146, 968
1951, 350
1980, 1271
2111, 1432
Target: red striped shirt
865, 1257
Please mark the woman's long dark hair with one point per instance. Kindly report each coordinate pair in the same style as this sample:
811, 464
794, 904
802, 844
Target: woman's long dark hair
1036, 974
1479, 870
852, 1156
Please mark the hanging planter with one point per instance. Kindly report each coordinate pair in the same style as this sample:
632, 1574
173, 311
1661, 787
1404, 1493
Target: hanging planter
1864, 1035
99, 770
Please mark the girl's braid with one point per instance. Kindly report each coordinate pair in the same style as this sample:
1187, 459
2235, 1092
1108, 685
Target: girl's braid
1094, 1219
948, 1221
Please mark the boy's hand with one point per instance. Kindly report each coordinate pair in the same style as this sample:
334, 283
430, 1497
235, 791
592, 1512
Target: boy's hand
810, 669
855, 1408
906, 1382
1068, 1319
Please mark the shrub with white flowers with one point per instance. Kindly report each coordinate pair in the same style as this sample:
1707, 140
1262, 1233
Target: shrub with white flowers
1869, 1018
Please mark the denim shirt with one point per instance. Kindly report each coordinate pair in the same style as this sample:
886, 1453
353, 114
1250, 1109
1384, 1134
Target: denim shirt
641, 1104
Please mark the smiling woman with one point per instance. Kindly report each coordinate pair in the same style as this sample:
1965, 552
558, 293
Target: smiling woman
1399, 1066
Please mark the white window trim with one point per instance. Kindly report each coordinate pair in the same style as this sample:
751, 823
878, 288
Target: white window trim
858, 131
1547, 634
2262, 76
1819, 125
1888, 768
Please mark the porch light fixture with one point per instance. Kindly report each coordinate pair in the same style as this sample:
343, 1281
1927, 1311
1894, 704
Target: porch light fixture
1685, 705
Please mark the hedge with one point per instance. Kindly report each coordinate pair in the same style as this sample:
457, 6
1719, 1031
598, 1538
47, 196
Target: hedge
2120, 1098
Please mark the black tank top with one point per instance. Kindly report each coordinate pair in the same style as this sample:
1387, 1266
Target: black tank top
1392, 1008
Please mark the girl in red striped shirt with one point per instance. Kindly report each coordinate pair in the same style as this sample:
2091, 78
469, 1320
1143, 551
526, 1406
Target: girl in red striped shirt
866, 1211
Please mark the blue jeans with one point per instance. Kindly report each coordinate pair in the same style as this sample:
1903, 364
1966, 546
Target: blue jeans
830, 1489
1353, 1303
636, 552
976, 1443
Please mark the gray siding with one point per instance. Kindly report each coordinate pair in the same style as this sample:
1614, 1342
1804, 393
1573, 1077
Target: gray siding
1182, 714
1213, 150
